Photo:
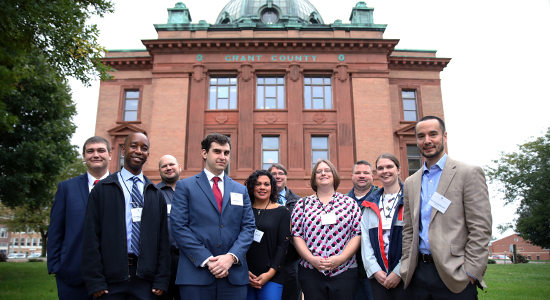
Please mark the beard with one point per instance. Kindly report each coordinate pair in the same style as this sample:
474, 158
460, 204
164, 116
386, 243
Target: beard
170, 180
438, 150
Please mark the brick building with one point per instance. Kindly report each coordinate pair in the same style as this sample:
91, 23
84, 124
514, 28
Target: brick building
4, 239
27, 242
522, 247
282, 84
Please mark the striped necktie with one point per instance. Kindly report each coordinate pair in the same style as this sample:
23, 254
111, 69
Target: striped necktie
137, 201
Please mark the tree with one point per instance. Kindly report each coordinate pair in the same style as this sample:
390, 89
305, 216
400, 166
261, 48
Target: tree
525, 178
54, 30
38, 218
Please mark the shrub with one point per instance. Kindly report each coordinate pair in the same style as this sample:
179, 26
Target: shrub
491, 261
521, 259
35, 260
3, 257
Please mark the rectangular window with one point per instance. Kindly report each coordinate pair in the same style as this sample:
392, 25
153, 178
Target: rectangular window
223, 93
270, 93
34, 242
529, 257
39, 242
131, 101
28, 242
3, 232
409, 105
16, 241
317, 93
319, 149
538, 257
270, 151
414, 159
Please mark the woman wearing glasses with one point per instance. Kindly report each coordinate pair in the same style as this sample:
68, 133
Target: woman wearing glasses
326, 233
382, 227
266, 255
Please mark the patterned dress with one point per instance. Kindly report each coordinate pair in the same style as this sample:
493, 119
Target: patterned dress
327, 240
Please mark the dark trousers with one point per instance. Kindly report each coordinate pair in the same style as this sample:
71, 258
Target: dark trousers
173, 292
291, 287
317, 286
363, 290
69, 292
426, 284
220, 289
136, 288
379, 292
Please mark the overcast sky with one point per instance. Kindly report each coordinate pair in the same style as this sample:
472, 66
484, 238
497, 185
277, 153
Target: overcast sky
495, 89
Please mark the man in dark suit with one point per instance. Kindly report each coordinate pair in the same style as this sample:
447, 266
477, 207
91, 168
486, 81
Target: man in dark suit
170, 170
126, 253
67, 220
447, 222
213, 224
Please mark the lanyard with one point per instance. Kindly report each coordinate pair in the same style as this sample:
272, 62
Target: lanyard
393, 206
329, 204
134, 204
261, 215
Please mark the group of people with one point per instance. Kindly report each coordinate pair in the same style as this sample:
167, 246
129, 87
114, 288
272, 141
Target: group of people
119, 236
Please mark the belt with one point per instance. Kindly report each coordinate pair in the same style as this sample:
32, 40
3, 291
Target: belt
427, 258
132, 259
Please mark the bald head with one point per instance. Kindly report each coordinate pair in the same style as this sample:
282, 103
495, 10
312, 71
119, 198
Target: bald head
170, 169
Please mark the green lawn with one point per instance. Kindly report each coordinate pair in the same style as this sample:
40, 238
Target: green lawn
523, 281
526, 281
26, 280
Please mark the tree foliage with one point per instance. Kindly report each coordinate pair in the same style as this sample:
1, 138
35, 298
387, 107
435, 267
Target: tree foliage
54, 30
525, 178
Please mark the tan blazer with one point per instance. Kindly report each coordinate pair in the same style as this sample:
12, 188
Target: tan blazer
458, 238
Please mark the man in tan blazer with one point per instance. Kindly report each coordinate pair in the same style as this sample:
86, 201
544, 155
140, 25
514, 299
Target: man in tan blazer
447, 222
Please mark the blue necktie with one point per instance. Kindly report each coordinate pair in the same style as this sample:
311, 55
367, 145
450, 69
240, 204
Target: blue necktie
280, 201
137, 201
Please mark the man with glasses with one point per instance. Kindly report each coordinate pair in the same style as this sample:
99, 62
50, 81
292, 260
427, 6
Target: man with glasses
291, 287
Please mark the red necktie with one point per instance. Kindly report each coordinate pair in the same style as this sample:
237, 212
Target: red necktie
96, 181
217, 193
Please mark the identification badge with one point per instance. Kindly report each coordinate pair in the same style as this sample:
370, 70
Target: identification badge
386, 223
168, 208
258, 234
136, 214
439, 202
237, 199
328, 219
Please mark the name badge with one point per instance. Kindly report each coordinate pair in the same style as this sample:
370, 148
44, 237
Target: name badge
439, 202
258, 234
168, 208
328, 219
237, 199
386, 223
136, 214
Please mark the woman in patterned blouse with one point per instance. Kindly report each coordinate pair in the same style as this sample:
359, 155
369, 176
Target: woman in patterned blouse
326, 232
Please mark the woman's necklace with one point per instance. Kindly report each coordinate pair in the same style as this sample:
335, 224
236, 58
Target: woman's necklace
261, 210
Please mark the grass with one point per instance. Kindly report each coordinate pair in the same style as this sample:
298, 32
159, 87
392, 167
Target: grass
514, 282
30, 281
26, 280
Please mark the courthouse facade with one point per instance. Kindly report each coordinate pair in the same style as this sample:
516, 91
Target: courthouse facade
282, 84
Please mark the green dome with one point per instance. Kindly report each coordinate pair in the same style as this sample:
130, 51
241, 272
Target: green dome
269, 11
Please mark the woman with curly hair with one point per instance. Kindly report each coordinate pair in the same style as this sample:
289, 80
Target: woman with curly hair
267, 253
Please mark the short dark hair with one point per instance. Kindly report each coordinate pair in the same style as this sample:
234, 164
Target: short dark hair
361, 162
335, 175
128, 137
278, 166
214, 137
250, 183
441, 123
96, 140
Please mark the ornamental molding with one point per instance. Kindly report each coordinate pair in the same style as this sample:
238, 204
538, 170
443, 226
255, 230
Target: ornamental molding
417, 63
270, 118
221, 118
319, 118
246, 72
198, 72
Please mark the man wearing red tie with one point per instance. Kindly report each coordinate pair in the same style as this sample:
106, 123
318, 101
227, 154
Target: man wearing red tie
213, 224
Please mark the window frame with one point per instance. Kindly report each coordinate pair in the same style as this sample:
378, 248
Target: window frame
256, 108
271, 150
122, 103
209, 85
319, 130
409, 157
417, 90
313, 76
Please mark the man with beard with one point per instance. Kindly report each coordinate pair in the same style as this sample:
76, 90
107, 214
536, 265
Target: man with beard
67, 220
447, 222
362, 178
291, 287
126, 252
170, 169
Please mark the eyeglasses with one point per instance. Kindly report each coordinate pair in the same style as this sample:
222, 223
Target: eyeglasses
326, 171
278, 174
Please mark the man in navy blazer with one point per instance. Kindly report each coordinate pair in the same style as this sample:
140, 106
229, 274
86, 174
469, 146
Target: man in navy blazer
213, 224
67, 220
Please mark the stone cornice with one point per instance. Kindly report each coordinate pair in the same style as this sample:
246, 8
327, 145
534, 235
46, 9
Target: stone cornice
417, 63
129, 62
339, 45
